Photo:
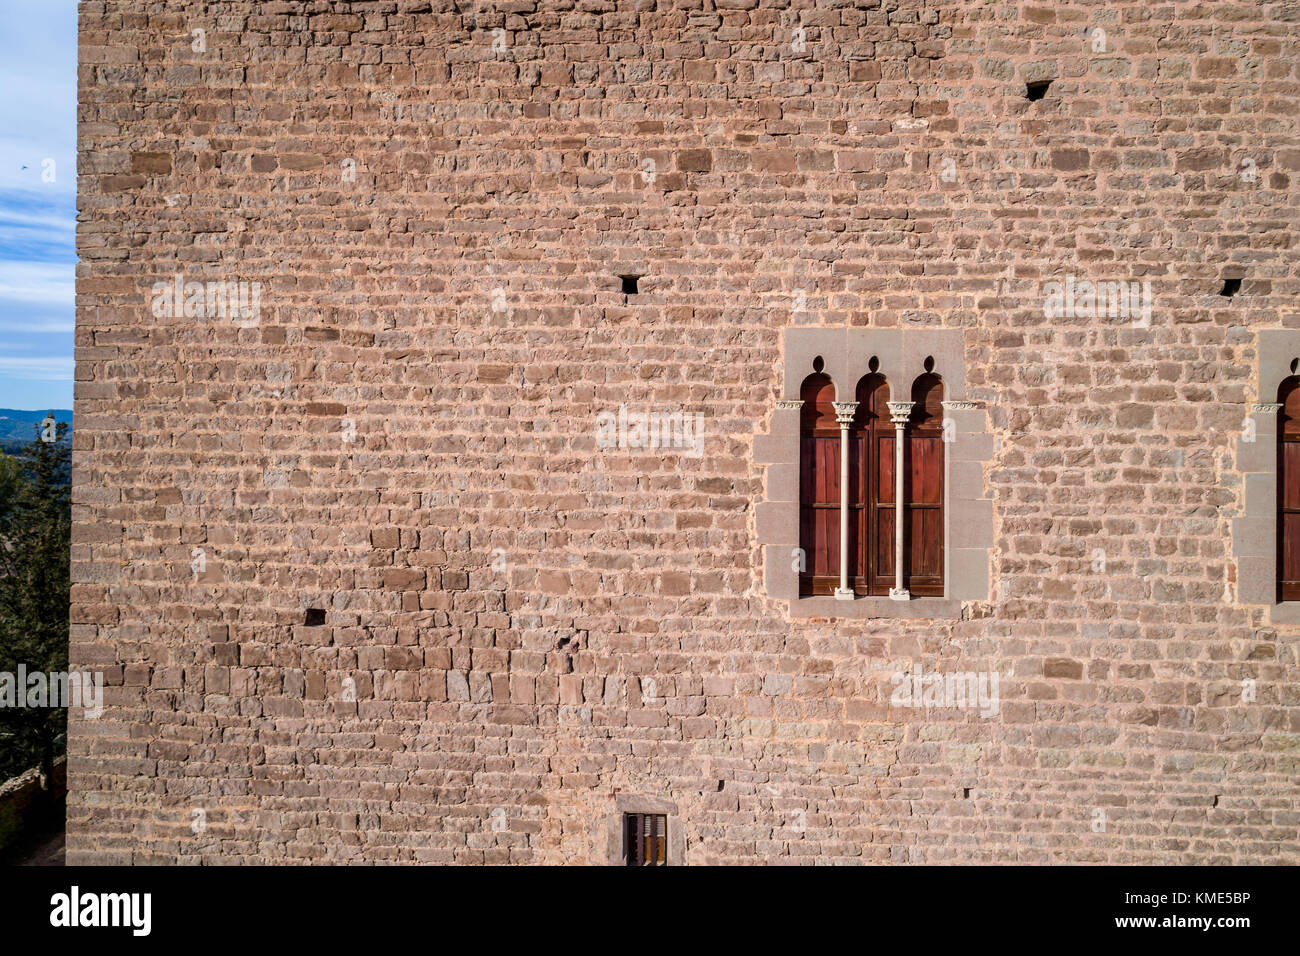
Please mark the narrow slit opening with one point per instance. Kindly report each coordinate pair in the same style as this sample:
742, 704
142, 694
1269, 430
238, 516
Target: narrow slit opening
1037, 90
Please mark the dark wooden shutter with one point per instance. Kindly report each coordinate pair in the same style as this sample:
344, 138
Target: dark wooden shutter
658, 847
819, 487
1288, 491
645, 839
871, 489
923, 489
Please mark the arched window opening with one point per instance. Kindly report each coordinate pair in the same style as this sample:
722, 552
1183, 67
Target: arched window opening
819, 487
1288, 490
872, 491
871, 473
923, 489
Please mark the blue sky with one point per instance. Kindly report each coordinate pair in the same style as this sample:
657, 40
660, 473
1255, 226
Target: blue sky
38, 123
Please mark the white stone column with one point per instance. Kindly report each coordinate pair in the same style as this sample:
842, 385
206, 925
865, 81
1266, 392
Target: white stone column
899, 412
844, 416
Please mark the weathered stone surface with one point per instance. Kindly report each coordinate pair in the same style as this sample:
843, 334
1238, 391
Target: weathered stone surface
521, 618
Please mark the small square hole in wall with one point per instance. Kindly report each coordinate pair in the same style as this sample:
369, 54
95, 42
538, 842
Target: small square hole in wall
315, 617
1037, 90
1230, 287
629, 284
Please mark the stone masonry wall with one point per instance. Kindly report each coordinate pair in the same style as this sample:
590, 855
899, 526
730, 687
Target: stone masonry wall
521, 628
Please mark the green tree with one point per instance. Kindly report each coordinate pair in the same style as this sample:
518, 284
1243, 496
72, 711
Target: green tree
35, 541
10, 477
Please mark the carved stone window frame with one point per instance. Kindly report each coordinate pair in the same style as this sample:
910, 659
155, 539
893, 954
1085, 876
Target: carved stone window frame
1254, 532
639, 803
968, 512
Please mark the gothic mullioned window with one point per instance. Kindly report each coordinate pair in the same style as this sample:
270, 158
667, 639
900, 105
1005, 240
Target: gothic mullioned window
899, 524
894, 453
1266, 533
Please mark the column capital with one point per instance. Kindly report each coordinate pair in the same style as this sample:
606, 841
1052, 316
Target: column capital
844, 412
899, 412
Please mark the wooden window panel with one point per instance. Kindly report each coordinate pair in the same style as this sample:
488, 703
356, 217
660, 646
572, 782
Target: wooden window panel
632, 838
1290, 557
873, 465
819, 487
645, 836
1288, 491
859, 513
884, 550
923, 489
882, 507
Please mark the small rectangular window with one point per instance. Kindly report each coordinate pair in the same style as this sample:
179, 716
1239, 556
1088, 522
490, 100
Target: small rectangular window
645, 839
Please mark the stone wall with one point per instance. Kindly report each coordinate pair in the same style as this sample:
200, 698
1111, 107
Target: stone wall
521, 631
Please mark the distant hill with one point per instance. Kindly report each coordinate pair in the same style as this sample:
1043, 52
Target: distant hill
18, 426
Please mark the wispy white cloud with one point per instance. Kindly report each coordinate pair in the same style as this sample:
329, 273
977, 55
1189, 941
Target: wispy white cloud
48, 369
38, 180
44, 283
38, 324
26, 166
19, 215
38, 71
